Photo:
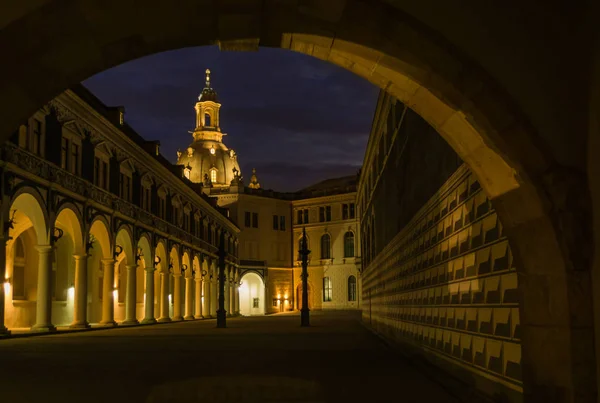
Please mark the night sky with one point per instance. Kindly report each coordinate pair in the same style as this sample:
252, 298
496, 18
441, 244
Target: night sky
296, 119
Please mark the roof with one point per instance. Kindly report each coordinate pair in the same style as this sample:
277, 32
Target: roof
333, 184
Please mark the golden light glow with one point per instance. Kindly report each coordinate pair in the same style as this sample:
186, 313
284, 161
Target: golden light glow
213, 175
71, 292
212, 151
6, 286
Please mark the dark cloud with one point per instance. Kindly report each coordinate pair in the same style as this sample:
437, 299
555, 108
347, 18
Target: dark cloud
278, 107
289, 177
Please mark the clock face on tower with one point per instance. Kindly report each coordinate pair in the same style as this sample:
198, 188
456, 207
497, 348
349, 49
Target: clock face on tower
212, 151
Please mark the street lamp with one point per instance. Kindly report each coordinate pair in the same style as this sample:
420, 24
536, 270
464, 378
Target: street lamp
304, 312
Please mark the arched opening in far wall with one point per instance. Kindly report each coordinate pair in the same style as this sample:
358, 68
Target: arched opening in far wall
252, 295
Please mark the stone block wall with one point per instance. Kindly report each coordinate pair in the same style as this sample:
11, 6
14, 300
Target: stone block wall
446, 287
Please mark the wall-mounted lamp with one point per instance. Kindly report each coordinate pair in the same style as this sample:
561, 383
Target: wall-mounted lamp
90, 243
184, 267
203, 273
157, 261
10, 224
118, 251
171, 266
139, 255
57, 233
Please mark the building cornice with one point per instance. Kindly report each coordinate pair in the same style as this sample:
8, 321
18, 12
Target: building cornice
119, 140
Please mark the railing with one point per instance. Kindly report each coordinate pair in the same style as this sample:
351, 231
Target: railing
50, 172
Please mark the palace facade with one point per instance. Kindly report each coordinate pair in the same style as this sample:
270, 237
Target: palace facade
100, 228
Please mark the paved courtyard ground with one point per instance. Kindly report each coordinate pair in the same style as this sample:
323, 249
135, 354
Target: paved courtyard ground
256, 359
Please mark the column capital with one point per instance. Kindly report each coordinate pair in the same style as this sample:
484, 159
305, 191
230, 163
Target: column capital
150, 269
131, 266
175, 274
81, 256
44, 248
108, 261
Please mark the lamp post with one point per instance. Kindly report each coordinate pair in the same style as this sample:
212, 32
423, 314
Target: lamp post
221, 314
304, 312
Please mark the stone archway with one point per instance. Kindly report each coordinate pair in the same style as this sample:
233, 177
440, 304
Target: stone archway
252, 294
500, 100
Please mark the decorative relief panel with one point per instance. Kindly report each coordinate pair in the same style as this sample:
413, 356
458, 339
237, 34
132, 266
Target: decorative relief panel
447, 283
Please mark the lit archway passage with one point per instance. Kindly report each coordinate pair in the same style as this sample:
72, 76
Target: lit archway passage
252, 295
495, 100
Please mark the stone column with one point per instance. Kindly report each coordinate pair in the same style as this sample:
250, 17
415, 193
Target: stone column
108, 299
198, 314
189, 298
227, 293
3, 330
214, 296
43, 320
80, 308
237, 299
164, 297
207, 303
149, 302
131, 298
177, 297
232, 299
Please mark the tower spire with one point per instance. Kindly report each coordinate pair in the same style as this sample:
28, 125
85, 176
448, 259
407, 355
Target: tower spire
207, 78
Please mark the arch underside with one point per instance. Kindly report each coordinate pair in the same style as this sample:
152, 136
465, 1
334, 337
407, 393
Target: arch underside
516, 162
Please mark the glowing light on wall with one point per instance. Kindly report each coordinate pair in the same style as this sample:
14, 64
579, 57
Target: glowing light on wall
71, 292
7, 286
115, 293
169, 297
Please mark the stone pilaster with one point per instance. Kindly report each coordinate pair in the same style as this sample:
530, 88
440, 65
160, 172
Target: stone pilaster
131, 297
3, 330
80, 308
43, 320
149, 301
177, 297
189, 298
164, 297
198, 314
108, 299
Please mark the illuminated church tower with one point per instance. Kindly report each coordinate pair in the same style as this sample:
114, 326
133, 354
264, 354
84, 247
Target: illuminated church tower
208, 160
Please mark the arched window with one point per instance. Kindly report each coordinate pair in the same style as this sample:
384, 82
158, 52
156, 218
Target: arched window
206, 119
213, 175
351, 288
349, 244
326, 247
327, 289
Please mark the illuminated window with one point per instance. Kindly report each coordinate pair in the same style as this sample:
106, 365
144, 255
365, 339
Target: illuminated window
327, 289
213, 173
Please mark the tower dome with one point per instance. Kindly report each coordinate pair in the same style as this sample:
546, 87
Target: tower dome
207, 158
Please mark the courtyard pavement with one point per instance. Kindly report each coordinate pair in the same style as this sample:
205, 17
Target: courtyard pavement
256, 359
